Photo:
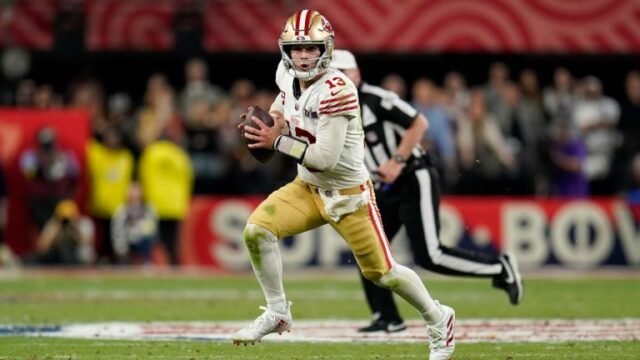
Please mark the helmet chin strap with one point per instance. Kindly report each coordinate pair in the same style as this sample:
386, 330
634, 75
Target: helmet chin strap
304, 75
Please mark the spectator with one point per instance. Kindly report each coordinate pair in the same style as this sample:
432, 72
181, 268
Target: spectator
134, 228
243, 93
249, 176
632, 192
559, 99
457, 93
51, 173
498, 79
439, 137
629, 124
45, 98
568, 154
395, 83
484, 154
166, 177
3, 194
158, 117
532, 125
596, 116
6, 256
89, 96
67, 238
198, 86
119, 113
110, 172
25, 93
206, 149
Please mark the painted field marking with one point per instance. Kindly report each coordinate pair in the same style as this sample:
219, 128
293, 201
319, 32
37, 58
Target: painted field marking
470, 331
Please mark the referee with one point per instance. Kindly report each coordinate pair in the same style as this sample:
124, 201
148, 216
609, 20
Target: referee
407, 193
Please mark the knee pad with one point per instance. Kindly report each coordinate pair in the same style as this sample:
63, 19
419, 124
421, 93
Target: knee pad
254, 234
390, 280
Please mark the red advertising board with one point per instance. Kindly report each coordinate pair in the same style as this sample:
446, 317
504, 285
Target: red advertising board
572, 233
17, 132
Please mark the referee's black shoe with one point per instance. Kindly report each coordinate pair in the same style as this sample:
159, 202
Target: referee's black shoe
383, 325
509, 279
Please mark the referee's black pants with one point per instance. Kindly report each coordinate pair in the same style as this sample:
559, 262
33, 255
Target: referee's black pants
413, 201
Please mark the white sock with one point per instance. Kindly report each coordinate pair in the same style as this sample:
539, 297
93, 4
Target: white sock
406, 283
266, 261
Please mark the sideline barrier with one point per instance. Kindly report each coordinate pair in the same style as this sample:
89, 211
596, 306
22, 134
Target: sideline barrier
581, 234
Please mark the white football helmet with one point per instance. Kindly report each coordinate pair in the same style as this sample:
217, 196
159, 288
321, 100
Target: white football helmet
307, 27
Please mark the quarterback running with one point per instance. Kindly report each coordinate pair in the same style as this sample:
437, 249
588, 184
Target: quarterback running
317, 123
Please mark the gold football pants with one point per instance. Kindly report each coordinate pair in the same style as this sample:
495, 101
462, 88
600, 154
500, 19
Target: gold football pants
297, 207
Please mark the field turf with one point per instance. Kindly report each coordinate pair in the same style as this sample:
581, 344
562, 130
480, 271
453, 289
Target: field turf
52, 298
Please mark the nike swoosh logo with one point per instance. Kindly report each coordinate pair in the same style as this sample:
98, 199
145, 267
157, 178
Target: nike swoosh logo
510, 278
395, 327
334, 93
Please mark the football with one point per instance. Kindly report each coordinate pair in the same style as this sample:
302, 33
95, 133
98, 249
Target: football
262, 155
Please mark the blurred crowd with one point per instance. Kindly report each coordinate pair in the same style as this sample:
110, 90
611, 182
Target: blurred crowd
512, 135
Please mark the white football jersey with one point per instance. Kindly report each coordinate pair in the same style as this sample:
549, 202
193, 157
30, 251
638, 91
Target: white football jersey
330, 99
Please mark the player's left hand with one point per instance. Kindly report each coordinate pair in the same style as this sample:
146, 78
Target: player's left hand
264, 136
389, 171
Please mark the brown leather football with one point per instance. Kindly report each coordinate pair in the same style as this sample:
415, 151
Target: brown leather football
262, 155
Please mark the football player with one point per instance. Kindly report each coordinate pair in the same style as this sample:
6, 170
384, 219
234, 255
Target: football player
317, 123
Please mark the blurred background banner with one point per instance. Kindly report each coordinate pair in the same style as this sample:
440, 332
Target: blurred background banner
580, 234
452, 25
542, 26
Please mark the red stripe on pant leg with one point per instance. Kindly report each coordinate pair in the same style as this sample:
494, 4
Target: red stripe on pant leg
381, 237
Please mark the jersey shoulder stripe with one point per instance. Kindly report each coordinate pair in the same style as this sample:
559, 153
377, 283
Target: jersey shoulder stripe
340, 104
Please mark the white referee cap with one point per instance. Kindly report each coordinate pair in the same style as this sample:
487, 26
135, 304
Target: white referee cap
343, 60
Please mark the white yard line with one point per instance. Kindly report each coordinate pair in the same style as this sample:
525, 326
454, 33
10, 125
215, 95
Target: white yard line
469, 331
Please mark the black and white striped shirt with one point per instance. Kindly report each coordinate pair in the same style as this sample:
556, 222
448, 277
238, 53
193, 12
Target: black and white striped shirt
384, 117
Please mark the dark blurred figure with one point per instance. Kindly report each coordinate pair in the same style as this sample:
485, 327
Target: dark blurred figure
6, 255
395, 83
632, 191
559, 99
134, 228
52, 175
3, 195
158, 116
485, 157
197, 86
568, 154
629, 126
439, 139
88, 95
25, 93
498, 79
120, 116
210, 164
45, 98
67, 238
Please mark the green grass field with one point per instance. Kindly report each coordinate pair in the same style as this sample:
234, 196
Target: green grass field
63, 298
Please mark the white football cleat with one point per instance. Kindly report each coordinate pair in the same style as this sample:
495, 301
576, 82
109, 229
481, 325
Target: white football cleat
267, 323
442, 342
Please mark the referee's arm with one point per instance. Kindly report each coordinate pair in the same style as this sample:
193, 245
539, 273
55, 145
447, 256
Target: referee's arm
412, 136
